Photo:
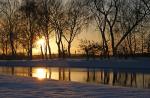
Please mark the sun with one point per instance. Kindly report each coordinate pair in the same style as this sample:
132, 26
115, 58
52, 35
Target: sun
41, 42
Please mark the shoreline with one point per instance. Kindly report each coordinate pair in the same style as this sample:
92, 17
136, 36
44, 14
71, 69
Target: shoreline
137, 63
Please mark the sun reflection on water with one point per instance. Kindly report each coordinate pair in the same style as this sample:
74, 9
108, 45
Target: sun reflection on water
40, 73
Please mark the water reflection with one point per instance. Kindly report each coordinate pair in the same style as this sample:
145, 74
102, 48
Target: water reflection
129, 79
40, 73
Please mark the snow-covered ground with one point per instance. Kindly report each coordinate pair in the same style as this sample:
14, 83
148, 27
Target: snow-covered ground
138, 63
23, 87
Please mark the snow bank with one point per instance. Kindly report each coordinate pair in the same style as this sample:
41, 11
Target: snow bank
137, 63
21, 87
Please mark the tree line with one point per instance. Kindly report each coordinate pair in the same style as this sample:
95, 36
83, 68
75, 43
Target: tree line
123, 26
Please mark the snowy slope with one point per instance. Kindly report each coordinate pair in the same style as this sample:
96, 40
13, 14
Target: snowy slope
21, 87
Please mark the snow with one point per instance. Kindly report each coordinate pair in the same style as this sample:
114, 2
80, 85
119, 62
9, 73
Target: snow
25, 87
131, 63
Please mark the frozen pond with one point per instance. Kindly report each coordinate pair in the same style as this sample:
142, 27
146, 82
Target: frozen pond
126, 78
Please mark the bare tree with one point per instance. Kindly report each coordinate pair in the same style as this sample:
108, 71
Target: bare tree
10, 16
131, 15
99, 14
111, 20
29, 13
58, 23
126, 15
44, 12
75, 21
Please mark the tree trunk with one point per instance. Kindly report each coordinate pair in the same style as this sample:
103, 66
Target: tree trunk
105, 45
135, 45
42, 52
69, 47
59, 50
46, 57
129, 40
3, 49
12, 44
30, 51
49, 48
47, 36
148, 48
58, 41
31, 45
62, 48
142, 44
31, 36
113, 42
6, 49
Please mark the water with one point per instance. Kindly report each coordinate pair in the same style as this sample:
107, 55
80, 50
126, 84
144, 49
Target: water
126, 78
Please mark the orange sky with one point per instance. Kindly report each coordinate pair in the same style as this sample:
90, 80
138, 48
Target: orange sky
89, 34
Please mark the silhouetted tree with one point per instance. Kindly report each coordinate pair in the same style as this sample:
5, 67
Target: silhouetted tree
100, 16
30, 14
131, 15
126, 15
10, 11
44, 21
75, 21
58, 23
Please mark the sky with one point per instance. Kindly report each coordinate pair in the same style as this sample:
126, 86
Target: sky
89, 34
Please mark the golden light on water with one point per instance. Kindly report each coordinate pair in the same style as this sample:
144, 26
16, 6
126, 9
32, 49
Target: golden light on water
40, 73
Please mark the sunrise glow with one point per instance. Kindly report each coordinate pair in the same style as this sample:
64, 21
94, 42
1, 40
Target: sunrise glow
41, 42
